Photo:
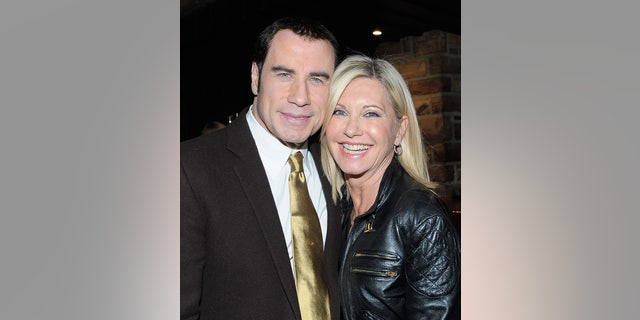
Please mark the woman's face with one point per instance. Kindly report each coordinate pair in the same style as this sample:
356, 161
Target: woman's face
363, 129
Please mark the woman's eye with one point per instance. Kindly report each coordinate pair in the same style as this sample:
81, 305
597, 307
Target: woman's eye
371, 114
339, 112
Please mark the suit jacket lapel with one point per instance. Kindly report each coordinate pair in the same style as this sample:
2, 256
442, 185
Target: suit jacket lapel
250, 173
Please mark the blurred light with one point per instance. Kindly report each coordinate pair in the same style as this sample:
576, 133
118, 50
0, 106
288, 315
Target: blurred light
377, 32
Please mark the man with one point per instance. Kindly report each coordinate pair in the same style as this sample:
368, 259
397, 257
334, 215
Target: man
236, 250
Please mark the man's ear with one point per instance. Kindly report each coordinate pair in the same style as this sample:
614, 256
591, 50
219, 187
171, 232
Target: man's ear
255, 78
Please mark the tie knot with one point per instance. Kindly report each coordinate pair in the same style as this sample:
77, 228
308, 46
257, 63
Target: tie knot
295, 161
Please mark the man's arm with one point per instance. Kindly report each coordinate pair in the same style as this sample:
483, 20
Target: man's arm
192, 250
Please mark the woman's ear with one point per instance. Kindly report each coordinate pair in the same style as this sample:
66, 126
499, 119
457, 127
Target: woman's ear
402, 129
255, 78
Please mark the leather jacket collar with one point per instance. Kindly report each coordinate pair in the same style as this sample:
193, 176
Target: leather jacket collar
391, 177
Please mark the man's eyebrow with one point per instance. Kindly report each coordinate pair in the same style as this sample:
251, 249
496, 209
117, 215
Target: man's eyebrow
320, 74
282, 68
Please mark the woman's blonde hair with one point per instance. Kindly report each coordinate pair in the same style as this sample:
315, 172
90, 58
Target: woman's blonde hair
413, 157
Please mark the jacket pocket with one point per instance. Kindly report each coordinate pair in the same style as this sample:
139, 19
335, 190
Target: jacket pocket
377, 255
375, 273
375, 264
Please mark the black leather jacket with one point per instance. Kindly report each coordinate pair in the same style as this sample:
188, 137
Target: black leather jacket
401, 259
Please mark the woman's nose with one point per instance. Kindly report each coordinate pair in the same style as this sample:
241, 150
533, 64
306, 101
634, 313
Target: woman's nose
352, 127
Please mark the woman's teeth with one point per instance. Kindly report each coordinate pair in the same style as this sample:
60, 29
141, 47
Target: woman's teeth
354, 148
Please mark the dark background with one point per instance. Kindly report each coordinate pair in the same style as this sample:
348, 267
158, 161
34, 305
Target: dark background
216, 40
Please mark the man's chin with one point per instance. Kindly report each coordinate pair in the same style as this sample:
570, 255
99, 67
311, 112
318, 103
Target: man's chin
294, 142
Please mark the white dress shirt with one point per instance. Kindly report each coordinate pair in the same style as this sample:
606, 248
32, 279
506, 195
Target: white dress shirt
275, 156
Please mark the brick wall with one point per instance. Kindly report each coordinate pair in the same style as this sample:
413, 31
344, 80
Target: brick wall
430, 64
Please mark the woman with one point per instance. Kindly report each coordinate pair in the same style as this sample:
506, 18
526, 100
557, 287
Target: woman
401, 251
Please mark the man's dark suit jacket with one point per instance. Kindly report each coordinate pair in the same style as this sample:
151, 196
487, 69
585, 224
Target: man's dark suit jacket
234, 262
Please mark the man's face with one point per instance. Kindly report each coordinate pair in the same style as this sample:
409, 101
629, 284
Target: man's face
293, 87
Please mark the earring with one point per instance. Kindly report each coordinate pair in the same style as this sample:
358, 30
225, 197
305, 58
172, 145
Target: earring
397, 149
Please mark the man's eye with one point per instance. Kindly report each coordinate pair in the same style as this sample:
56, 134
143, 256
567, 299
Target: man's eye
317, 80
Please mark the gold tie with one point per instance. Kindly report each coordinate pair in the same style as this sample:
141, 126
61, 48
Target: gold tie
307, 246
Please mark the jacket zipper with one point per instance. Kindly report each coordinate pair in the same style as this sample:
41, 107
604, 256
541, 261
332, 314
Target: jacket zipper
377, 255
375, 273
